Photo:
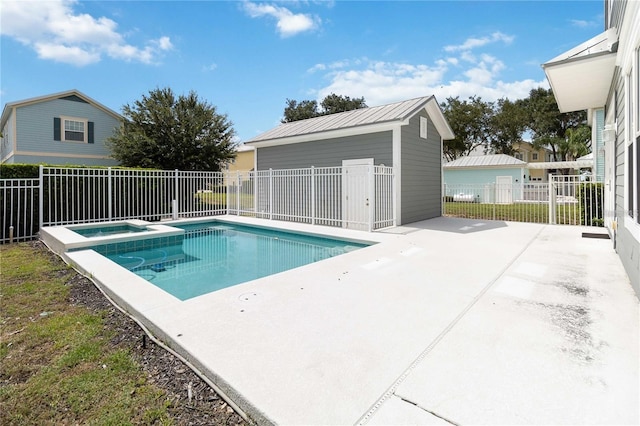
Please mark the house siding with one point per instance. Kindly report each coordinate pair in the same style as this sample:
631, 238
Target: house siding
421, 185
627, 246
616, 14
8, 138
327, 153
34, 133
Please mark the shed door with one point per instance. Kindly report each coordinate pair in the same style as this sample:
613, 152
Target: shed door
504, 190
357, 194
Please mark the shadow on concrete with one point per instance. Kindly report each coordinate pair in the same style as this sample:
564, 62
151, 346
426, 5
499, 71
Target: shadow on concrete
448, 224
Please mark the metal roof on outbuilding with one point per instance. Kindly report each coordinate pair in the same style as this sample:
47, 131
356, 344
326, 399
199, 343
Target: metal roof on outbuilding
395, 113
495, 160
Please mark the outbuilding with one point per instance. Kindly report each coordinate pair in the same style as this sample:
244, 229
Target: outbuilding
485, 178
404, 135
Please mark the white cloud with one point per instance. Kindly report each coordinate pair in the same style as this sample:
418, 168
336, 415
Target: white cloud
384, 82
210, 67
55, 31
472, 42
467, 72
584, 23
288, 23
333, 66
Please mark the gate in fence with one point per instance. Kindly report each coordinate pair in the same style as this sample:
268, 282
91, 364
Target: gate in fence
564, 200
63, 196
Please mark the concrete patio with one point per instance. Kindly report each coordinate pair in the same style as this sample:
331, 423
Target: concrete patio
444, 321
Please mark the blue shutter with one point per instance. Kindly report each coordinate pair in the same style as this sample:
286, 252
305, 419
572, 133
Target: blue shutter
90, 130
56, 129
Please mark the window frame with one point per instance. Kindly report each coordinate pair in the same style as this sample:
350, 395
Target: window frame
424, 128
85, 132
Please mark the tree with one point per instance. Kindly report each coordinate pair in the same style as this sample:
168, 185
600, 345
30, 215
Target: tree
507, 124
547, 124
470, 124
331, 104
577, 143
302, 110
165, 132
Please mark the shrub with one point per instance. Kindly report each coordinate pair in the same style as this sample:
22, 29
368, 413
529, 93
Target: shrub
590, 198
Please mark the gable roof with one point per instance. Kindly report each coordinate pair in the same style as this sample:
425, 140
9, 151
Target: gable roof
495, 160
73, 94
367, 120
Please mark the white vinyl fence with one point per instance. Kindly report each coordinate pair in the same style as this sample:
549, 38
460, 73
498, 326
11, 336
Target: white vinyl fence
564, 200
332, 196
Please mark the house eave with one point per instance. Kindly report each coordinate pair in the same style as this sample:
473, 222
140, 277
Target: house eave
576, 164
581, 77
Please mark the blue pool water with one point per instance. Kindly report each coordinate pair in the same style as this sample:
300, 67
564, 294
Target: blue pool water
102, 230
215, 255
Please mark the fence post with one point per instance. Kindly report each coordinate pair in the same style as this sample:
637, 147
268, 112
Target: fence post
313, 195
238, 193
443, 199
227, 179
109, 195
371, 200
175, 205
41, 196
552, 201
495, 199
270, 193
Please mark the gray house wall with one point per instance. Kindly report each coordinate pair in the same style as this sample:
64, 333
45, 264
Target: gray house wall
327, 153
34, 133
627, 247
7, 138
421, 186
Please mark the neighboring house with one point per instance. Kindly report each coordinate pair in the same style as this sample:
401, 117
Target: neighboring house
602, 75
244, 161
474, 178
238, 167
407, 135
67, 128
524, 151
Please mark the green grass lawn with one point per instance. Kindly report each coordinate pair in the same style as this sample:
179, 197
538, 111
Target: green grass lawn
58, 363
535, 213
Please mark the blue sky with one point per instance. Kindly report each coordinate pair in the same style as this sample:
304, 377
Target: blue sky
248, 57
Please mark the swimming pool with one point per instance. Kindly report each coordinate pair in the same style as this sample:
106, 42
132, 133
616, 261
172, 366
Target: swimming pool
106, 229
214, 255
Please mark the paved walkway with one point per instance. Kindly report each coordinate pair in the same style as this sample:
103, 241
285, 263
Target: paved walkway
447, 321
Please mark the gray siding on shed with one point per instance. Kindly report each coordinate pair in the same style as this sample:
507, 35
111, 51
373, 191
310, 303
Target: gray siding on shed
421, 172
34, 129
328, 152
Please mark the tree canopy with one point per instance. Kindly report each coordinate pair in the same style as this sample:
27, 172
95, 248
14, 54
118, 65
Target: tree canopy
167, 132
469, 121
331, 104
547, 124
495, 127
